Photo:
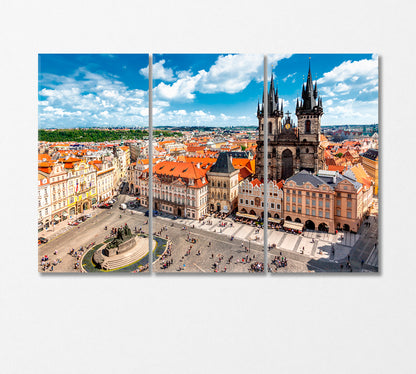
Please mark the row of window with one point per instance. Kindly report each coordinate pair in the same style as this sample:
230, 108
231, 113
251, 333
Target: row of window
250, 191
251, 202
307, 201
308, 212
219, 184
320, 212
224, 195
307, 193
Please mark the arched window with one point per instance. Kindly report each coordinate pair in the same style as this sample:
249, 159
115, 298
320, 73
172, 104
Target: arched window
270, 127
307, 127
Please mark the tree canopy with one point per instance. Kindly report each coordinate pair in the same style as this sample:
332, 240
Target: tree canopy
98, 135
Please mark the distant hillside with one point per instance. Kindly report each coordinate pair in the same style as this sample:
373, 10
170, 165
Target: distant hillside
97, 135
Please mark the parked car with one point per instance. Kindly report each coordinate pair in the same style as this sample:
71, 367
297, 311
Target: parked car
155, 213
42, 240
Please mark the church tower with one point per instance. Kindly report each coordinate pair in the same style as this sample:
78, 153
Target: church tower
274, 123
275, 112
309, 111
291, 148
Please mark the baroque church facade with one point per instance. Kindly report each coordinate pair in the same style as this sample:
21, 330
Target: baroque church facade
291, 148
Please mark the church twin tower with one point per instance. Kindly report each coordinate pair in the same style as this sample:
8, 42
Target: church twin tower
291, 149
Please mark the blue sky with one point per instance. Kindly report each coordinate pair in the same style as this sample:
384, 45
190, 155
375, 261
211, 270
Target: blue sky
198, 89
92, 90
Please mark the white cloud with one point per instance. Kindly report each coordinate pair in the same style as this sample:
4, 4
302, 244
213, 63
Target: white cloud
182, 89
90, 97
180, 112
230, 74
341, 87
289, 76
159, 72
351, 79
199, 113
161, 103
351, 70
351, 111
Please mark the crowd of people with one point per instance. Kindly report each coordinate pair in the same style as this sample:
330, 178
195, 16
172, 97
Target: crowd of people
278, 262
256, 267
47, 264
165, 259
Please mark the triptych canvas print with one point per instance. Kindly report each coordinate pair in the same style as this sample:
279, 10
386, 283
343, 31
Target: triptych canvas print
207, 163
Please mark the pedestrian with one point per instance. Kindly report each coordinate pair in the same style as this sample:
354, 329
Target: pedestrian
341, 267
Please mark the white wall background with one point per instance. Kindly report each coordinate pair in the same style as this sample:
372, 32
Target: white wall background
194, 324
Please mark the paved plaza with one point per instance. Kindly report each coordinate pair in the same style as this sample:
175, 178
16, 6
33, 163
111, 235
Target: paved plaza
219, 245
63, 238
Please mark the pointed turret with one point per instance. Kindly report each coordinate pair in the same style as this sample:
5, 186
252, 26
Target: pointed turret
309, 84
271, 98
271, 92
258, 108
276, 96
309, 96
309, 101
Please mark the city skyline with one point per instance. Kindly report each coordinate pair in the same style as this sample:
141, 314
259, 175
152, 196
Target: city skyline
198, 89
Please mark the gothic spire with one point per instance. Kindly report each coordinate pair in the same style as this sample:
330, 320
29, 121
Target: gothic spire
271, 92
309, 84
309, 93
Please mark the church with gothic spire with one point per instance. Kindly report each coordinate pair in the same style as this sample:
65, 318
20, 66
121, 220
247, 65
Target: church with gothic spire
291, 148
